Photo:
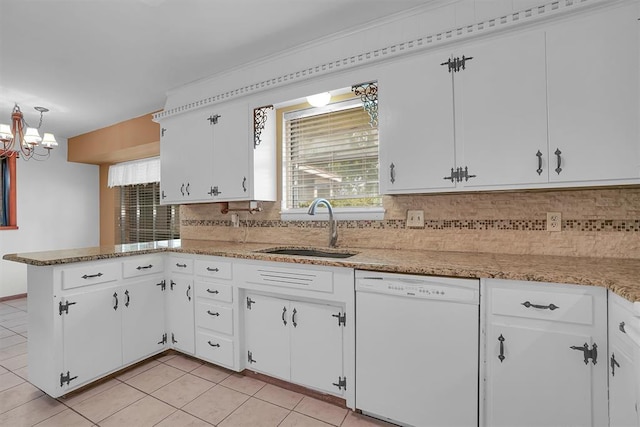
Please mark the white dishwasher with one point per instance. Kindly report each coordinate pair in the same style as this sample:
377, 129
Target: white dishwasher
417, 344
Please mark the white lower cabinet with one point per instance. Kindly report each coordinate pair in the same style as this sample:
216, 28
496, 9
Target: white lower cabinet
623, 363
295, 341
180, 312
545, 354
216, 312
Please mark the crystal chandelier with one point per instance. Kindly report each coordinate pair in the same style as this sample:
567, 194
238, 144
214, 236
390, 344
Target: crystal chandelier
21, 140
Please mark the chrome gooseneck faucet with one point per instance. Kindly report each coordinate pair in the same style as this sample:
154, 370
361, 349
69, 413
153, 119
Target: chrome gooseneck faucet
333, 224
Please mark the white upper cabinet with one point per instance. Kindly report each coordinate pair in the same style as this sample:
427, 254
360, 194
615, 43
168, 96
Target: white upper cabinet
555, 105
211, 156
501, 115
593, 73
415, 125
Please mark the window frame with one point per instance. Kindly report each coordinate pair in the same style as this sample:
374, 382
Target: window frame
301, 214
13, 193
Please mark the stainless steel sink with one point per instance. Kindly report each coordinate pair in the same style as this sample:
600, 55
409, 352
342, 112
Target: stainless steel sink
311, 252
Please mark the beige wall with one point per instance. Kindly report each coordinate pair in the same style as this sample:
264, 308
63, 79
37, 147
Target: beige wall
601, 222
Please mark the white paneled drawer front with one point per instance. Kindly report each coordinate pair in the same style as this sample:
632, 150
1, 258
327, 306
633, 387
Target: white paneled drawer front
92, 274
313, 280
216, 291
215, 317
214, 348
214, 267
142, 266
553, 306
181, 265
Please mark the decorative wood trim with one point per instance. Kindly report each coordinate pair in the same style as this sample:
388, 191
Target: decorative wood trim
525, 16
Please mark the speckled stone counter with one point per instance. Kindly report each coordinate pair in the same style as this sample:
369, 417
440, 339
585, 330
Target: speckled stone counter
622, 276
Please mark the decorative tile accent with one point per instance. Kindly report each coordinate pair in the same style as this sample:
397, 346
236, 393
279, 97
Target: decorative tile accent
583, 225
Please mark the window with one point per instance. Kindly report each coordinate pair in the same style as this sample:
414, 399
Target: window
330, 152
141, 218
8, 218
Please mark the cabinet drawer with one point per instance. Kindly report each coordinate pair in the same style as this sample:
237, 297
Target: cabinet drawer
214, 348
213, 268
216, 291
142, 266
181, 265
214, 317
553, 306
90, 275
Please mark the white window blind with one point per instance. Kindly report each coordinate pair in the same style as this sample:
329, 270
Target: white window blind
331, 152
135, 172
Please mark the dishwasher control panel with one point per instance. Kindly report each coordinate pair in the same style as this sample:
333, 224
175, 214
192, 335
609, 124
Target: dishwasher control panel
429, 287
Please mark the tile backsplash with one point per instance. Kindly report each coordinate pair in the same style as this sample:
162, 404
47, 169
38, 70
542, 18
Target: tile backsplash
603, 222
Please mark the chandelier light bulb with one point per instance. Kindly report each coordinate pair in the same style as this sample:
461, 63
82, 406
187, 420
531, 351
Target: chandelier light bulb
32, 136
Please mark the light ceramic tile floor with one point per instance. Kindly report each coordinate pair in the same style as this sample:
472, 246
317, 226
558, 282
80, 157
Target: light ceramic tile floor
170, 391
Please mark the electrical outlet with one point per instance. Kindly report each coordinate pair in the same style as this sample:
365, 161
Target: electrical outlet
235, 220
554, 221
415, 219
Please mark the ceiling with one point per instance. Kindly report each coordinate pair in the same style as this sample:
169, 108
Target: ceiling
94, 63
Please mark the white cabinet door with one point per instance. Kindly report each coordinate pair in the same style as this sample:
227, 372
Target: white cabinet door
230, 162
592, 71
541, 381
91, 333
180, 314
545, 360
267, 335
186, 156
501, 111
416, 125
623, 402
142, 319
316, 346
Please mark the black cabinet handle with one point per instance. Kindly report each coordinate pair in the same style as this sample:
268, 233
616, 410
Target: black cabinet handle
501, 355
187, 189
126, 293
392, 173
212, 344
614, 364
293, 318
215, 291
213, 269
115, 305
284, 313
172, 284
144, 267
181, 265
558, 153
539, 155
541, 307
189, 292
621, 327
244, 184
91, 276
182, 189
163, 195
213, 314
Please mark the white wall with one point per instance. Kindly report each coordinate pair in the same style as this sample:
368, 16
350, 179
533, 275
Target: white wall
57, 208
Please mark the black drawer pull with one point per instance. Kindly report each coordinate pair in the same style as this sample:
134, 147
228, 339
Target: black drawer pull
144, 267
91, 276
215, 291
213, 269
213, 314
212, 344
542, 307
181, 265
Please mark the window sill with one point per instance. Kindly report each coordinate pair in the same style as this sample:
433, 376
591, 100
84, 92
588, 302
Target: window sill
340, 214
9, 227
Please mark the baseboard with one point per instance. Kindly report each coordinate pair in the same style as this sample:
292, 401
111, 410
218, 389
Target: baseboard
12, 297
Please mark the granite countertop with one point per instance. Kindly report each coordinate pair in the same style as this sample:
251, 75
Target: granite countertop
622, 276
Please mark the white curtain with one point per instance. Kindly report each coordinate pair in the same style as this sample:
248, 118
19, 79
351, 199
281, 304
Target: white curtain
136, 172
